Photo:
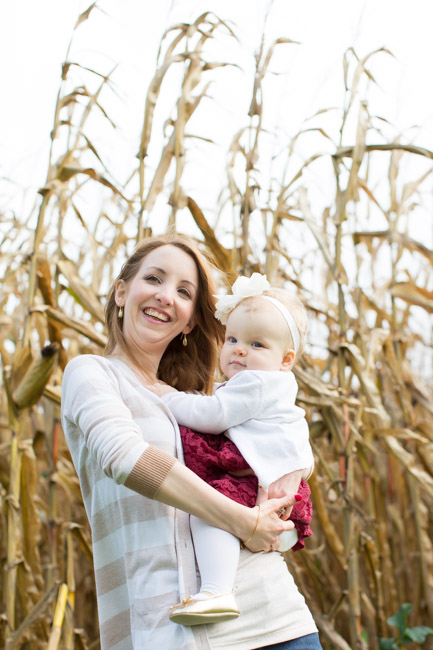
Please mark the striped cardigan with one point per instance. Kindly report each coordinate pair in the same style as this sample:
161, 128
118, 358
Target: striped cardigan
123, 441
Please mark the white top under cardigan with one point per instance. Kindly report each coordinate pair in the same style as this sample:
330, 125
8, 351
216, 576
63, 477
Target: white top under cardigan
142, 550
257, 410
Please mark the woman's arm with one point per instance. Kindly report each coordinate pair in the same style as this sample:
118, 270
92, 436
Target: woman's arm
94, 412
181, 488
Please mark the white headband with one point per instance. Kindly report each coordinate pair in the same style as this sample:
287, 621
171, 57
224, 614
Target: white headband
248, 288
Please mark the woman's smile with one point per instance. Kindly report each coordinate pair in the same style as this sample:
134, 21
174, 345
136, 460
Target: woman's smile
155, 314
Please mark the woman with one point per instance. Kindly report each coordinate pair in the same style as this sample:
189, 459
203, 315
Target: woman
124, 443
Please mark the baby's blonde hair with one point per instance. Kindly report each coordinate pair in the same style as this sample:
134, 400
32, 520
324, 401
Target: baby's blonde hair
297, 310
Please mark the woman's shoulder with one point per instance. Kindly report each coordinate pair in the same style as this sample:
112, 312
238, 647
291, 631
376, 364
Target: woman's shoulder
86, 366
88, 361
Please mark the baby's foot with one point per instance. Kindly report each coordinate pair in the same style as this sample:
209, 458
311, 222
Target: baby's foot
204, 608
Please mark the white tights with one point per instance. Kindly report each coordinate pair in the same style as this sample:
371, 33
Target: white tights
217, 554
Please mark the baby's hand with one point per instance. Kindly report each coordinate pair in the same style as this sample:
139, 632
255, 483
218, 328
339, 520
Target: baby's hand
161, 389
286, 485
262, 496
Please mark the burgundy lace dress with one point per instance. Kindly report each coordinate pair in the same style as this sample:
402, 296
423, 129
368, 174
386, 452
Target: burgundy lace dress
214, 456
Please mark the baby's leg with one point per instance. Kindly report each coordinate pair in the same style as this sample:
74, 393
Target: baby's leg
217, 553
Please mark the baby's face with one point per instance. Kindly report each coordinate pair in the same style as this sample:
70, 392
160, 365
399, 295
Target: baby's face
256, 339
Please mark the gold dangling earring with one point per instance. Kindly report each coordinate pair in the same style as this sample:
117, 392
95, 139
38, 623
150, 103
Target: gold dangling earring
184, 340
120, 312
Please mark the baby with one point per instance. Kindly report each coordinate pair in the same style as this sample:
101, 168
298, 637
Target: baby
256, 409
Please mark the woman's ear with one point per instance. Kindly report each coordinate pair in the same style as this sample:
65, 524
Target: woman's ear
120, 293
288, 361
192, 323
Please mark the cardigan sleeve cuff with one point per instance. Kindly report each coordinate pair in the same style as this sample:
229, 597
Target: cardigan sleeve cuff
150, 471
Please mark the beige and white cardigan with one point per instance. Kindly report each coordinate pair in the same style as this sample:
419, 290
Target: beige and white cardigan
119, 435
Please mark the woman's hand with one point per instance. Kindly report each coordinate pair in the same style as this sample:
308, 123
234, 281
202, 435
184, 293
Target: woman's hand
258, 528
287, 485
268, 524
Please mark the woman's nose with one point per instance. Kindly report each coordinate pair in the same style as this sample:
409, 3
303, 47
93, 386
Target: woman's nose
165, 295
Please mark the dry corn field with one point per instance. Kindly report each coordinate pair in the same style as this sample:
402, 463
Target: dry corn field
365, 379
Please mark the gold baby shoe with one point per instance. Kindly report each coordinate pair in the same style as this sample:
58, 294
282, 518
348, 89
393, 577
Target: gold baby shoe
214, 609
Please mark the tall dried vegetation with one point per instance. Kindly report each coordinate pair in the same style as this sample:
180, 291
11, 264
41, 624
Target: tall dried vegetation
364, 278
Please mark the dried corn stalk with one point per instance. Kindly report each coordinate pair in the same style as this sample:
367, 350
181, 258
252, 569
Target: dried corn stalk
371, 416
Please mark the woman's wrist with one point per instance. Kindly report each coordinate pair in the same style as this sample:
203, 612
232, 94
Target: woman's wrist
247, 541
244, 522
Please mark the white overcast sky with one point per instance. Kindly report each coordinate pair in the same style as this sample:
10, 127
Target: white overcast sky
34, 37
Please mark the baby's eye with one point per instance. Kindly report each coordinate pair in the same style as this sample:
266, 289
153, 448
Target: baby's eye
231, 339
257, 344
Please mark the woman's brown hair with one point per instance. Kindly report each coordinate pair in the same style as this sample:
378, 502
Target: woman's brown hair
188, 367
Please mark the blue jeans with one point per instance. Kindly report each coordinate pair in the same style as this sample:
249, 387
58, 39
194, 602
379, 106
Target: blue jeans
308, 642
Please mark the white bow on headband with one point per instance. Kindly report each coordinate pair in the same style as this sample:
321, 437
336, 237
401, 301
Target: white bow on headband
247, 288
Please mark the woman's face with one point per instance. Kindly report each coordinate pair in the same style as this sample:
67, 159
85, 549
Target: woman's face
158, 303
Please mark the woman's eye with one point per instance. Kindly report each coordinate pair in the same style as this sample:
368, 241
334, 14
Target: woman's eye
185, 292
151, 278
